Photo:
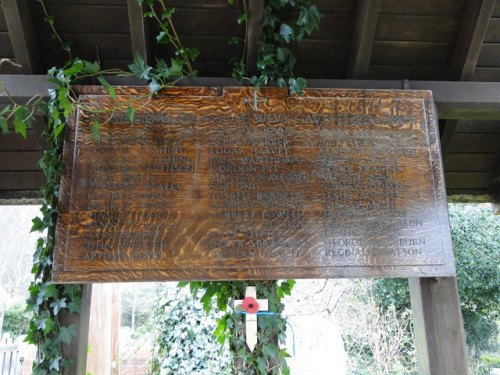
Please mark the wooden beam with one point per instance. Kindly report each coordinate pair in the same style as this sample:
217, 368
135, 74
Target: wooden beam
254, 33
438, 325
363, 37
454, 100
496, 196
475, 23
78, 348
139, 30
22, 35
446, 137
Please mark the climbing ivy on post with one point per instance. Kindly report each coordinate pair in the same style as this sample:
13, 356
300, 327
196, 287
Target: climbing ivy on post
48, 301
267, 357
284, 22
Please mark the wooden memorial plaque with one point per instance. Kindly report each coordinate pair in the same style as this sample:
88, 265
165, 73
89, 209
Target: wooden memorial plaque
240, 183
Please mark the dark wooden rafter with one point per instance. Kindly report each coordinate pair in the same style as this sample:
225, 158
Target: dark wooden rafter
475, 22
496, 183
22, 35
253, 34
139, 30
363, 37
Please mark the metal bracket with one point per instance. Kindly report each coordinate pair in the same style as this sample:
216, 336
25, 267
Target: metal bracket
255, 101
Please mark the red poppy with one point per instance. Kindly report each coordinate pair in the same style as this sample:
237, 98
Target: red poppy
250, 305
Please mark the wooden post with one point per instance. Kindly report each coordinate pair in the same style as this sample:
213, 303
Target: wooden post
439, 332
115, 329
78, 347
103, 331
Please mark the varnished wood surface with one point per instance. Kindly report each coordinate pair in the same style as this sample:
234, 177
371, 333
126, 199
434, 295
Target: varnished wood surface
335, 183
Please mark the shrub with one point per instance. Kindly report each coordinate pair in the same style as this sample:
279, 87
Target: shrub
476, 241
184, 343
15, 322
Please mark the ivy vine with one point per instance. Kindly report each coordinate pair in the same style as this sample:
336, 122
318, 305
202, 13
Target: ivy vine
284, 22
267, 357
48, 302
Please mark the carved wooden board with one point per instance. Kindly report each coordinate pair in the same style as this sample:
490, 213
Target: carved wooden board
234, 183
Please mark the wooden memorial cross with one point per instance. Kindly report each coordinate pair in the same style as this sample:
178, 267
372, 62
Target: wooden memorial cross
251, 306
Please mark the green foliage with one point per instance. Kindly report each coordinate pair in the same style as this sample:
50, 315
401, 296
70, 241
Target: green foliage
16, 322
267, 357
184, 343
476, 245
284, 22
180, 66
48, 301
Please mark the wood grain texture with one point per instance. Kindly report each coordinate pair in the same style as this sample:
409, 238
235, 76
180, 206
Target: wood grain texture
335, 183
439, 328
363, 37
22, 35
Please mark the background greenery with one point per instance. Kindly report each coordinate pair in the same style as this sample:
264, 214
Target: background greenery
184, 343
476, 241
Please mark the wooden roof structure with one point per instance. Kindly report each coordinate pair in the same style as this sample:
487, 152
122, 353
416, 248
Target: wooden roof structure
424, 44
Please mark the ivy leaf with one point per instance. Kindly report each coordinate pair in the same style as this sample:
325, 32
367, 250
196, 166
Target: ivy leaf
106, 84
48, 291
286, 32
269, 350
206, 300
57, 305
96, 131
315, 16
168, 14
37, 224
176, 68
20, 127
281, 82
192, 53
131, 114
243, 18
74, 308
233, 40
139, 68
54, 364
90, 68
49, 19
76, 67
72, 290
282, 54
154, 86
297, 85
48, 325
262, 365
221, 327
3, 125
44, 322
162, 37
58, 129
66, 334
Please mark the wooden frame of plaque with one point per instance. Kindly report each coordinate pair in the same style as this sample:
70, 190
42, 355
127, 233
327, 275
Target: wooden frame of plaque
245, 183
